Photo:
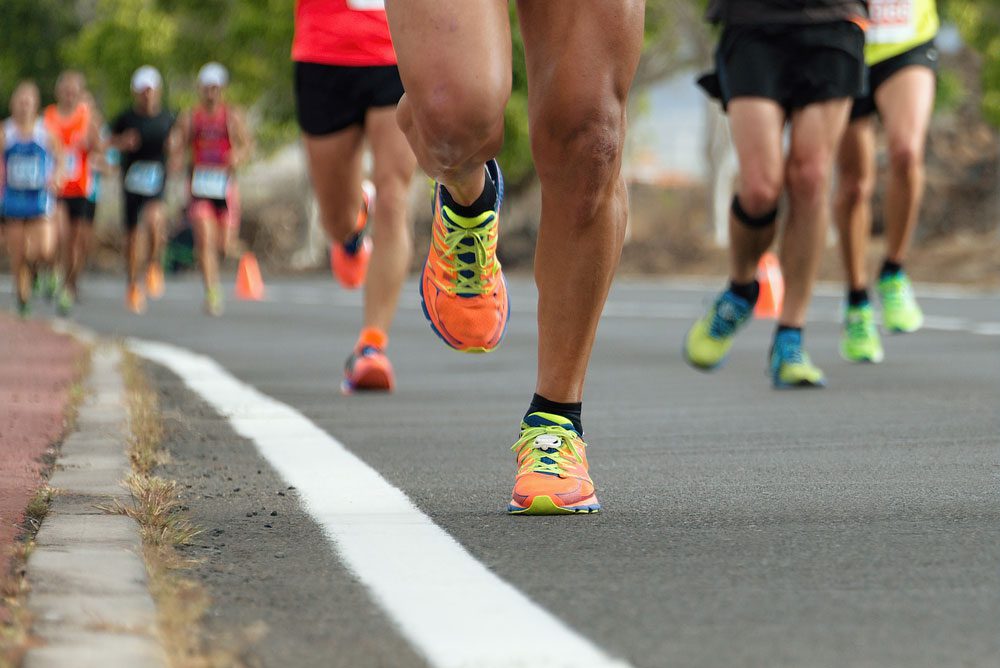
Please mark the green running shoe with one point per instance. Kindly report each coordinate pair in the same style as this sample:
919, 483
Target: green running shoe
709, 340
859, 340
790, 365
900, 312
23, 309
47, 284
65, 301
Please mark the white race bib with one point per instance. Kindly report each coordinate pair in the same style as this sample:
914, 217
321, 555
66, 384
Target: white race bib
892, 21
366, 5
25, 172
210, 182
144, 178
71, 166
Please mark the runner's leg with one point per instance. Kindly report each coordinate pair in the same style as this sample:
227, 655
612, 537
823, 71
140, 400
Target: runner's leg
155, 217
15, 238
394, 164
452, 112
335, 173
205, 228
756, 125
816, 133
852, 203
905, 103
581, 58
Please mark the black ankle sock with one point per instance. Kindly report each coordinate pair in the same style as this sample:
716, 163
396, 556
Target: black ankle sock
857, 297
571, 412
787, 328
353, 243
485, 202
748, 291
890, 268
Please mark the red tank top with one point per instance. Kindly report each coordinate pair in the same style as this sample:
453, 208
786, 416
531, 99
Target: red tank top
342, 32
210, 143
72, 133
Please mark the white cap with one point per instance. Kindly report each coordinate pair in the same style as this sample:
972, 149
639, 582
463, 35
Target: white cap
213, 74
146, 77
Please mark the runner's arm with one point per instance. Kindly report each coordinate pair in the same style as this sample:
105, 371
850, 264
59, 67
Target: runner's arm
177, 143
243, 143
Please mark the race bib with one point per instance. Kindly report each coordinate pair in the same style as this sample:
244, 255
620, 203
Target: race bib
892, 21
366, 5
71, 167
26, 172
144, 178
209, 183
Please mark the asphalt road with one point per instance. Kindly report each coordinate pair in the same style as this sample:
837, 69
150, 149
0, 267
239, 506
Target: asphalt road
853, 526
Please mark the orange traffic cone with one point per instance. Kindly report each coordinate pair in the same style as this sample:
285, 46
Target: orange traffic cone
772, 287
249, 284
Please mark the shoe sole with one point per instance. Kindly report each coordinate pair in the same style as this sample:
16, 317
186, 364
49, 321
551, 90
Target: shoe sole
544, 505
473, 349
373, 380
801, 385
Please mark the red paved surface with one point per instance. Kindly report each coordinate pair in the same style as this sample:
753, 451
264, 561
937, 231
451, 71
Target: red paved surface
37, 368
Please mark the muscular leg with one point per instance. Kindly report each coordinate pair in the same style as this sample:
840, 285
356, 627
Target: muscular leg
392, 240
452, 112
133, 254
905, 102
816, 133
581, 58
852, 203
756, 125
335, 173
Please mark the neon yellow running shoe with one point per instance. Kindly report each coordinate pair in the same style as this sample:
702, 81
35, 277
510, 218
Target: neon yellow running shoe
552, 471
859, 340
900, 312
709, 340
790, 365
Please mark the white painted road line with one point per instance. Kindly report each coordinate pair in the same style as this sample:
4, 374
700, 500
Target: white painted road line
454, 610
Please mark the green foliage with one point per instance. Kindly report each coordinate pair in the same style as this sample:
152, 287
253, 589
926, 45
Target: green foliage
979, 21
26, 28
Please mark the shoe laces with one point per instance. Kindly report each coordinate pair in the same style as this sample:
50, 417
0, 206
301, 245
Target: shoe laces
789, 351
470, 253
857, 323
728, 315
547, 449
897, 292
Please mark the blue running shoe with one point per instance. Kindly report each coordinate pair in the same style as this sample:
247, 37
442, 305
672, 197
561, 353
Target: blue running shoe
790, 365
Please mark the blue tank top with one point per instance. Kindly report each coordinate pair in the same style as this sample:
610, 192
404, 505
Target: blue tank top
28, 165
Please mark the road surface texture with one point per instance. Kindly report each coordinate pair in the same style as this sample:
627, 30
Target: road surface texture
853, 526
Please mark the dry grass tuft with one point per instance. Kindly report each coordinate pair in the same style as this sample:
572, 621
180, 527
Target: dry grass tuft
181, 603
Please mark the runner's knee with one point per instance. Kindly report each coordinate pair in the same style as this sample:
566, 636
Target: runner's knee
583, 144
854, 187
905, 155
458, 125
758, 195
808, 178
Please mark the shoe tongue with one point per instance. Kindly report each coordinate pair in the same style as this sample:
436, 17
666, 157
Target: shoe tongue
540, 419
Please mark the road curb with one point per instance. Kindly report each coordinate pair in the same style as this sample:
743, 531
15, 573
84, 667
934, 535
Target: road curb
89, 590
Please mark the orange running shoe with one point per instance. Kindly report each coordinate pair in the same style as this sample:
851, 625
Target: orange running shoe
368, 370
154, 280
135, 301
350, 261
552, 472
462, 288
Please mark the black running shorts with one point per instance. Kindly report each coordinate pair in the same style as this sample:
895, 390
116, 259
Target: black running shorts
794, 65
925, 55
80, 209
330, 98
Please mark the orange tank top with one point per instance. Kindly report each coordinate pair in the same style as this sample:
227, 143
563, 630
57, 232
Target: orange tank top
72, 133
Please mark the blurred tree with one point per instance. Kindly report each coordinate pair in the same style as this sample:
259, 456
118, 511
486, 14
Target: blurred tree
979, 22
26, 30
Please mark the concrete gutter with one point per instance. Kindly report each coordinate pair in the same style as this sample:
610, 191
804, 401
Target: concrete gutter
89, 591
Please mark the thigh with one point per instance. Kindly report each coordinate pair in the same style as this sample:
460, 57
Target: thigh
452, 48
756, 125
905, 102
335, 170
817, 130
579, 53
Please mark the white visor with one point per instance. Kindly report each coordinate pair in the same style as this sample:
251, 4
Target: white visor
213, 74
146, 77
